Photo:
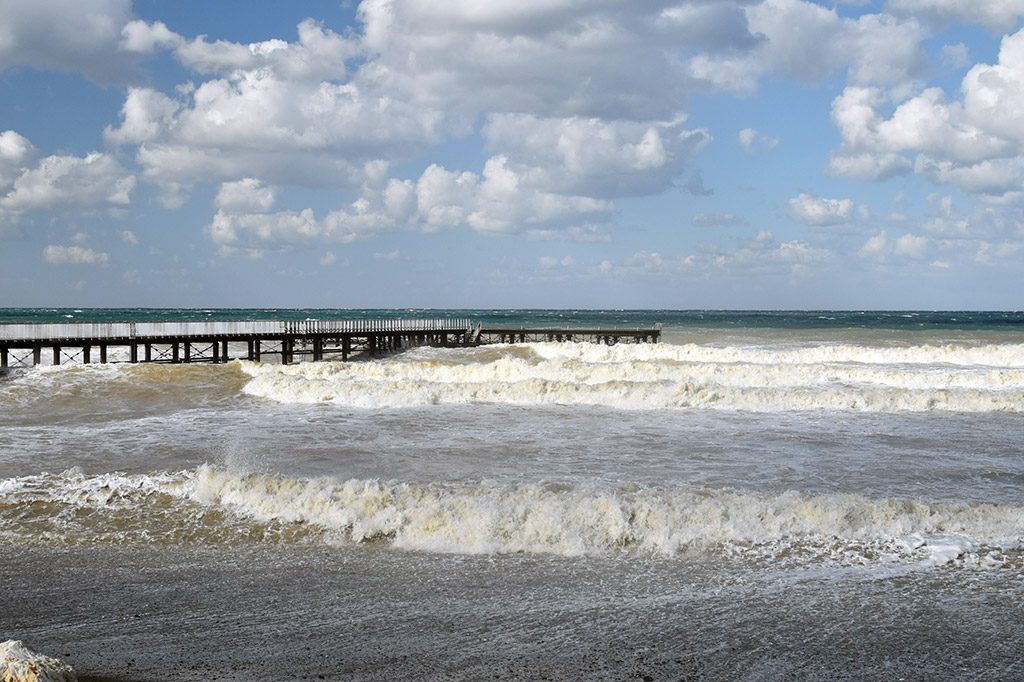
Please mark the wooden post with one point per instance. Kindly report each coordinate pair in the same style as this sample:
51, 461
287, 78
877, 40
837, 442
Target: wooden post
188, 351
134, 353
256, 350
224, 352
216, 351
3, 357
346, 347
56, 355
37, 355
174, 352
103, 353
85, 354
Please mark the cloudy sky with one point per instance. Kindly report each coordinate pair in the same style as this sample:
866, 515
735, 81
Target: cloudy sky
512, 153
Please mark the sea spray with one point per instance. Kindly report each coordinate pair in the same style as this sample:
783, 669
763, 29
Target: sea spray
653, 377
212, 505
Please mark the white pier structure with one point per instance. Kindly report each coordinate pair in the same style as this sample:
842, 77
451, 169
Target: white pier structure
209, 341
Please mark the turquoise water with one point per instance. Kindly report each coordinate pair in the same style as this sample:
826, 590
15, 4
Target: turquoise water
676, 319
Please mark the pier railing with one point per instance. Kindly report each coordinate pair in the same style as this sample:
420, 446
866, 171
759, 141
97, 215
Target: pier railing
239, 328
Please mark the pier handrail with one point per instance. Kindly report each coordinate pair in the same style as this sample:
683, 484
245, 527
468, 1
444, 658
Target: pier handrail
74, 331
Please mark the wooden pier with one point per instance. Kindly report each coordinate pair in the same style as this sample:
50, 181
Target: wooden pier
609, 336
288, 341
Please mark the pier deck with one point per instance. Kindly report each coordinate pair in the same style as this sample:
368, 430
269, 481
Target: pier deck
608, 336
181, 342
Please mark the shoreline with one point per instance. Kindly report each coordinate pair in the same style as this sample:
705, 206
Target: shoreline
162, 615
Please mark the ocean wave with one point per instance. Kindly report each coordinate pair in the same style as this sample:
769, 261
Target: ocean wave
659, 376
211, 504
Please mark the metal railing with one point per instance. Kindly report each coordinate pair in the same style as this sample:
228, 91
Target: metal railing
143, 330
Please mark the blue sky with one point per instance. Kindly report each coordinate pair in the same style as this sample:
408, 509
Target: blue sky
513, 153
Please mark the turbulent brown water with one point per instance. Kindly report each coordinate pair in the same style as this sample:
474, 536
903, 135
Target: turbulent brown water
741, 501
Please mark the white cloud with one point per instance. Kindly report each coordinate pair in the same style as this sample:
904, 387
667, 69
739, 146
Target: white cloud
16, 153
69, 35
498, 201
956, 55
129, 237
751, 141
806, 41
390, 255
999, 16
717, 219
96, 180
911, 245
328, 258
247, 195
881, 247
975, 144
73, 255
595, 157
821, 212
145, 38
552, 262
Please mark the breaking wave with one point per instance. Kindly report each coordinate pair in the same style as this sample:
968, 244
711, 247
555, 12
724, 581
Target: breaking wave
660, 376
212, 505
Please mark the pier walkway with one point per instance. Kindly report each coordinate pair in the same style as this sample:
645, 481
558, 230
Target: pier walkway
181, 342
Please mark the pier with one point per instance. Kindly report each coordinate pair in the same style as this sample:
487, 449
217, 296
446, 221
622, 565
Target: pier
259, 340
609, 337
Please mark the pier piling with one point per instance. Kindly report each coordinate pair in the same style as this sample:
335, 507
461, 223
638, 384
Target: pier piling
187, 342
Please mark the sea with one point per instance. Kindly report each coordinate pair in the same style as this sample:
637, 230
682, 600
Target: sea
761, 495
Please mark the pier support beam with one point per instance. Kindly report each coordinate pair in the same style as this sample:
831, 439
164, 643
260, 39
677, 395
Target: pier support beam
3, 357
85, 354
133, 352
103, 353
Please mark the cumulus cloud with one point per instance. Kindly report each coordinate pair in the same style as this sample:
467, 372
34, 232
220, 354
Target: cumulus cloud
247, 195
806, 41
762, 254
500, 200
16, 153
76, 255
593, 156
752, 142
68, 35
821, 212
975, 144
28, 183
718, 219
881, 247
999, 17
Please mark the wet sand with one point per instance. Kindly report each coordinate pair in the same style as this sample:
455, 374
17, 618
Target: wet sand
150, 615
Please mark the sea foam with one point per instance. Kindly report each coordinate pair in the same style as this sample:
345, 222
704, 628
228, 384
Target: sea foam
213, 505
660, 376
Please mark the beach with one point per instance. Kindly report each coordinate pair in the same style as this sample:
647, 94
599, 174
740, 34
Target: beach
810, 496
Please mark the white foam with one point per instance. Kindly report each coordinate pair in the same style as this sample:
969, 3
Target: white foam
658, 376
572, 520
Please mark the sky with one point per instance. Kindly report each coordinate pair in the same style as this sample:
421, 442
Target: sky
743, 154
